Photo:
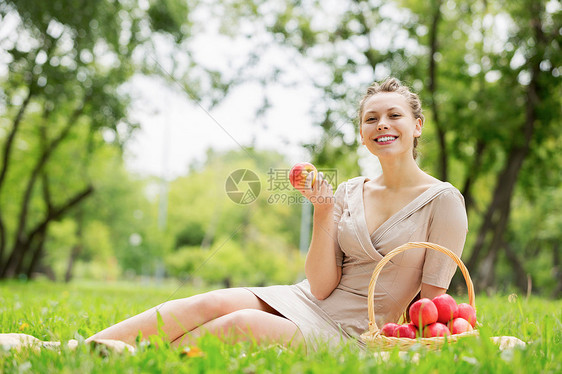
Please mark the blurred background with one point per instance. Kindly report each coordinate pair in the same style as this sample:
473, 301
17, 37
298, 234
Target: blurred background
121, 121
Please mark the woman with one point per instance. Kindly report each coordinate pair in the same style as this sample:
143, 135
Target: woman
351, 233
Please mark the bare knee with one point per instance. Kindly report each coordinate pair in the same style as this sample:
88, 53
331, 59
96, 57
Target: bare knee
210, 305
218, 303
225, 301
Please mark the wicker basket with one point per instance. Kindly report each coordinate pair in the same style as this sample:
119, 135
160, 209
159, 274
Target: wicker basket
373, 337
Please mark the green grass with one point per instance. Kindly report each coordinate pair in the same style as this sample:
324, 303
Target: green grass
51, 311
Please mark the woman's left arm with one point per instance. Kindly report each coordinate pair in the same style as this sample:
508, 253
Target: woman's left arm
448, 228
429, 291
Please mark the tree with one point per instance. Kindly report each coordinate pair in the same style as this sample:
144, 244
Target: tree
67, 61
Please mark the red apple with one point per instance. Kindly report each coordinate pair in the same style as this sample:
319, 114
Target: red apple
467, 312
459, 325
389, 329
406, 331
423, 312
435, 329
447, 308
299, 172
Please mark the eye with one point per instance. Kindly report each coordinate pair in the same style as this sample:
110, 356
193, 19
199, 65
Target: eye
371, 119
395, 115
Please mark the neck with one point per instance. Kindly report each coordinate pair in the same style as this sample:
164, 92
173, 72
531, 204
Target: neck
400, 173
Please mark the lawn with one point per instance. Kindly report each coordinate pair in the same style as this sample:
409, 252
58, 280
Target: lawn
53, 311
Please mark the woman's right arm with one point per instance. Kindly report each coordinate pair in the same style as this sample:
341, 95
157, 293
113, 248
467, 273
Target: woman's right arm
322, 271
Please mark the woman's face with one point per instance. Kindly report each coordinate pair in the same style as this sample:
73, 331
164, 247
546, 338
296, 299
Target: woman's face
388, 127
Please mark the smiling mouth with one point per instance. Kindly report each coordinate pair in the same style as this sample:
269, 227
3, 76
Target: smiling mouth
386, 139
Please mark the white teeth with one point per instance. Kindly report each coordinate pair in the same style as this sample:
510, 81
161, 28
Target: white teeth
385, 139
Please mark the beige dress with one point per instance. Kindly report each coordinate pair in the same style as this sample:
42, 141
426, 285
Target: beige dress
438, 215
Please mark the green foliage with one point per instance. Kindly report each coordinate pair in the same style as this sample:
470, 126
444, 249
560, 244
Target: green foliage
66, 61
191, 234
72, 311
170, 16
65, 120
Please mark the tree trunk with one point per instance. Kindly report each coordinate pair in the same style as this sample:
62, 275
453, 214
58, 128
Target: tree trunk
11, 268
483, 231
37, 253
41, 235
21, 243
77, 248
498, 212
443, 154
472, 175
7, 151
486, 273
519, 271
10, 140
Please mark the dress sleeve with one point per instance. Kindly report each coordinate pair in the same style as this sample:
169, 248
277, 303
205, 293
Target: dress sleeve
339, 195
448, 227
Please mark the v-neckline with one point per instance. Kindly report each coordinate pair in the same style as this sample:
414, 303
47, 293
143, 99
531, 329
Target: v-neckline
392, 217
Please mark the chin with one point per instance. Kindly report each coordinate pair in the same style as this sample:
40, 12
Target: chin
392, 155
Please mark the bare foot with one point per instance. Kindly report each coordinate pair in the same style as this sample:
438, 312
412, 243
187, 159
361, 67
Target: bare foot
18, 341
106, 346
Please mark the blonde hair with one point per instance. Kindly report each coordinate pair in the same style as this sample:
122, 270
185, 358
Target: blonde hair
394, 85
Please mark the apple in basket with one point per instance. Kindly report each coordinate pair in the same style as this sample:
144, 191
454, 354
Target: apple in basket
406, 331
435, 329
389, 329
423, 312
299, 172
459, 325
447, 308
467, 312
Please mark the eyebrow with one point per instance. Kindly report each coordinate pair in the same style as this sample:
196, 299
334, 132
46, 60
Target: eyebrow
388, 110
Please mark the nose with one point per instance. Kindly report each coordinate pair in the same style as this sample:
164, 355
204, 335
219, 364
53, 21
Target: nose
382, 125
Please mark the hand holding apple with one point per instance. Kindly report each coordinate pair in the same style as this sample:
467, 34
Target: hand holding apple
312, 185
299, 173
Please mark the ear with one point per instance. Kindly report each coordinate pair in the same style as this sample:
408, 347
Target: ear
418, 129
361, 134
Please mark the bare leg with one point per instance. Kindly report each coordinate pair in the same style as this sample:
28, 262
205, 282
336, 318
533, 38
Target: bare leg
17, 341
184, 315
245, 325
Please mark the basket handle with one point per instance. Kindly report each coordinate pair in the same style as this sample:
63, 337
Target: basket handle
372, 324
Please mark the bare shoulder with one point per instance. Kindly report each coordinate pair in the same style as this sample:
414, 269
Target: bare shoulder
429, 180
426, 182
